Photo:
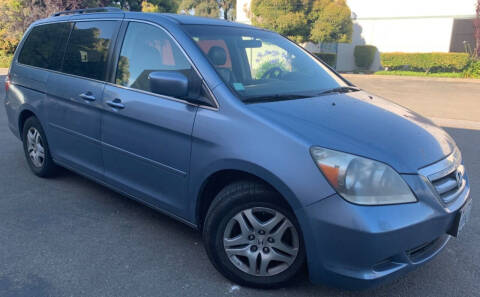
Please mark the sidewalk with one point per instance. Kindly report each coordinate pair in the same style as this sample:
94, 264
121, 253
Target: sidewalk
460, 124
3, 71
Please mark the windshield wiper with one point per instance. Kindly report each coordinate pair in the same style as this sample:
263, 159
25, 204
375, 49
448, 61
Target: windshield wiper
275, 97
280, 97
340, 90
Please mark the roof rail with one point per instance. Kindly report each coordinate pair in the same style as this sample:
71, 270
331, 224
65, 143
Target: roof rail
87, 10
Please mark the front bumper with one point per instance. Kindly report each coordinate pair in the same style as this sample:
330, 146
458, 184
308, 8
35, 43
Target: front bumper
353, 246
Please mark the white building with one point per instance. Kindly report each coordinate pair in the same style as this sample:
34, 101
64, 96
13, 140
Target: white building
401, 26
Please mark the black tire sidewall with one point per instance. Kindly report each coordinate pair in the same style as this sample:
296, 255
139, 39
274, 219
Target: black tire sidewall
216, 222
48, 167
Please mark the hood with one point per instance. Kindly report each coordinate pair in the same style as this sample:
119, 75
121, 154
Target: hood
362, 124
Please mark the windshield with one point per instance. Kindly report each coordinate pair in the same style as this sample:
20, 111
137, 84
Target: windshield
261, 65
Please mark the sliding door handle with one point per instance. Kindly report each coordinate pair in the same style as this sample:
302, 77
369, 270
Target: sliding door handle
116, 103
87, 96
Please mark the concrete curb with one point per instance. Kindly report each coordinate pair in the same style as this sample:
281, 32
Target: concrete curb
453, 123
417, 78
3, 71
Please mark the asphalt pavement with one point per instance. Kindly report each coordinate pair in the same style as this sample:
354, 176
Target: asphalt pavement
68, 236
444, 98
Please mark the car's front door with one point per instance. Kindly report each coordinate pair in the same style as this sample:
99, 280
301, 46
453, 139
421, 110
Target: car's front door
75, 97
146, 137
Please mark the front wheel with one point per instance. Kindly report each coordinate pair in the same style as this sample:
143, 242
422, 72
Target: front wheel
252, 237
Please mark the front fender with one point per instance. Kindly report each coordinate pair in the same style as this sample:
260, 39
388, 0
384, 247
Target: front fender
198, 182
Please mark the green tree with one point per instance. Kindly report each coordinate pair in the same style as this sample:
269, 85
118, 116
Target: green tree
17, 15
331, 21
131, 5
305, 20
228, 9
160, 5
209, 8
286, 17
477, 30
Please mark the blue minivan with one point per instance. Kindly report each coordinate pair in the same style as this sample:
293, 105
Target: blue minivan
278, 160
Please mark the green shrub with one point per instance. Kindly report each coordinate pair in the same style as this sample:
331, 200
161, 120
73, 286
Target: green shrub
364, 55
421, 74
5, 60
427, 62
472, 70
329, 58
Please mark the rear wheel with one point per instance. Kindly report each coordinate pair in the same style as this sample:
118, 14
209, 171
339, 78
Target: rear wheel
252, 237
36, 149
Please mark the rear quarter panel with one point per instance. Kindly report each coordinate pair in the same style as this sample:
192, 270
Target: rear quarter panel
27, 91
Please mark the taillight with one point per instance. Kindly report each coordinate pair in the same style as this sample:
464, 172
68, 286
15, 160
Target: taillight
7, 82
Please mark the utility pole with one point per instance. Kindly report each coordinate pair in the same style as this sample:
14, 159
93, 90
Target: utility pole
477, 30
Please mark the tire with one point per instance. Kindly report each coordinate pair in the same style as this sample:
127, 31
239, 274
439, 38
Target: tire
242, 200
42, 165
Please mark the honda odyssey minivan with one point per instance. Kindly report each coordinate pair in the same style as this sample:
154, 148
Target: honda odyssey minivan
278, 160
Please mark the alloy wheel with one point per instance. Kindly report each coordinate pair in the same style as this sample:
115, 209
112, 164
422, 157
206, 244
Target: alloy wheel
261, 241
35, 148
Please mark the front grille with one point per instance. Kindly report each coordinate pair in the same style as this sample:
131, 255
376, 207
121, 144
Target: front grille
448, 186
446, 177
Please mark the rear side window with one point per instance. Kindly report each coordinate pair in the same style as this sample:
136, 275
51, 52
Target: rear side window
88, 47
45, 46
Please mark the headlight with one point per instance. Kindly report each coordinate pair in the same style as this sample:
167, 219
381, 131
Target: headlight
361, 180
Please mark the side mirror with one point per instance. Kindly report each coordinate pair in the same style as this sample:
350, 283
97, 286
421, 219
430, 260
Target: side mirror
173, 84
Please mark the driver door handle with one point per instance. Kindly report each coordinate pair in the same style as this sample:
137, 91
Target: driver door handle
116, 103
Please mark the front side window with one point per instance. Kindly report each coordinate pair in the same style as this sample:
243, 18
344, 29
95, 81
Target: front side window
262, 66
45, 46
146, 49
88, 47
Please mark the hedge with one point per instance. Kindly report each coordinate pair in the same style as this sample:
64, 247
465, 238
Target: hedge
5, 60
473, 70
427, 62
364, 55
329, 58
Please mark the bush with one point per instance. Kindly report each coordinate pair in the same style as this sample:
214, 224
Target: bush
427, 62
473, 70
421, 74
5, 60
329, 58
364, 55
